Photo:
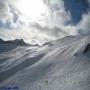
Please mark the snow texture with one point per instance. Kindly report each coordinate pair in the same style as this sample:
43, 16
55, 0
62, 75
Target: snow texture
63, 64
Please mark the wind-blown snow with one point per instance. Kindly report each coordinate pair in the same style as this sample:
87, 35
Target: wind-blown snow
63, 64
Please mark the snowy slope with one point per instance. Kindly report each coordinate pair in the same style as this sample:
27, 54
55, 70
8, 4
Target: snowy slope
63, 64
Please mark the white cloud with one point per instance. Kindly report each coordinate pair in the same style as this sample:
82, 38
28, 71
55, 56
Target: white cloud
50, 25
57, 14
4, 9
84, 25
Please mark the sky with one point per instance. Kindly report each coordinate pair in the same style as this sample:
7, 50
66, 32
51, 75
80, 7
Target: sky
39, 21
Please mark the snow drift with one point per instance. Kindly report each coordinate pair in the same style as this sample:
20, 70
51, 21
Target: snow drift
63, 64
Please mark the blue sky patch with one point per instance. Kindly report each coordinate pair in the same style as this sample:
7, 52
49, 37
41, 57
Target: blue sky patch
76, 8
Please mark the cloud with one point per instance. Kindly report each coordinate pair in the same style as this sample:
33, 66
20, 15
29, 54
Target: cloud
57, 16
52, 24
84, 25
4, 9
53, 20
28, 35
55, 31
37, 34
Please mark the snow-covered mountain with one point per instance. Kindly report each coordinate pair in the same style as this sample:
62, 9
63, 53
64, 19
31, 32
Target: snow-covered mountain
12, 44
16, 41
63, 64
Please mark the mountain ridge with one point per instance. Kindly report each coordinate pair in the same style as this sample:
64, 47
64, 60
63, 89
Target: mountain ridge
63, 64
16, 41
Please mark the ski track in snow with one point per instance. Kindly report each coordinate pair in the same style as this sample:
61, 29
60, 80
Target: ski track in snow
58, 65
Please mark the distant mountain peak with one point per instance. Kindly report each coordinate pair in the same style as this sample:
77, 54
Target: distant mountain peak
16, 41
1, 40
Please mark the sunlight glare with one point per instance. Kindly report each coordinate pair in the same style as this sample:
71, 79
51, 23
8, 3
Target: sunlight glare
32, 8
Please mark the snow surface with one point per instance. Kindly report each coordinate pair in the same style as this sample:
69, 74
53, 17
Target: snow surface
58, 65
